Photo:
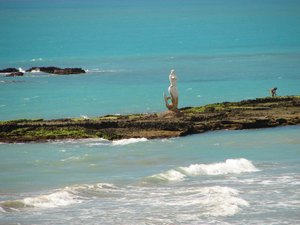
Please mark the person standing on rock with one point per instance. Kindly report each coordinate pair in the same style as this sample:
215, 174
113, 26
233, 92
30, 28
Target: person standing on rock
273, 92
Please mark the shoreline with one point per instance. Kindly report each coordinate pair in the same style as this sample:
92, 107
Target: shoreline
245, 114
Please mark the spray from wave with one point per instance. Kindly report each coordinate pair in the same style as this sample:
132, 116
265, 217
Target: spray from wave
21, 70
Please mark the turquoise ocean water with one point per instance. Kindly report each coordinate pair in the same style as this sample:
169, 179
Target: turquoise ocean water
221, 51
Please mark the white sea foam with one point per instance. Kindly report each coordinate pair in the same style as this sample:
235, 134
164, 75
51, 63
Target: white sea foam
56, 199
213, 201
79, 141
61, 197
129, 141
222, 201
230, 166
100, 141
84, 117
80, 189
2, 210
35, 60
21, 70
73, 158
37, 70
170, 175
199, 201
97, 70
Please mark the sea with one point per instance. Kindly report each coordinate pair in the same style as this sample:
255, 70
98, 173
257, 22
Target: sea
221, 51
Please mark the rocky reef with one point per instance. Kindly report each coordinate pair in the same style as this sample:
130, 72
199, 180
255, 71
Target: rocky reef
49, 69
247, 114
57, 70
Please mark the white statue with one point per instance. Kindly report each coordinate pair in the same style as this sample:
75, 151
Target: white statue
173, 93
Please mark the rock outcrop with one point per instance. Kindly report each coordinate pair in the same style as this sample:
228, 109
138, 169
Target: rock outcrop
69, 71
57, 70
49, 69
9, 70
248, 114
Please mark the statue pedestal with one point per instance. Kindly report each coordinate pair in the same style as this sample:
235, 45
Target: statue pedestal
169, 114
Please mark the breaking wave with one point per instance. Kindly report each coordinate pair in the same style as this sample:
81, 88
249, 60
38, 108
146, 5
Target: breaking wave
230, 166
170, 175
61, 197
91, 142
211, 197
129, 141
210, 201
56, 199
204, 201
21, 70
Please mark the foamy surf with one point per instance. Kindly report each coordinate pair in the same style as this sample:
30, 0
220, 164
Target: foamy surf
129, 141
230, 166
213, 201
59, 198
221, 201
87, 141
170, 175
56, 199
207, 201
100, 141
21, 70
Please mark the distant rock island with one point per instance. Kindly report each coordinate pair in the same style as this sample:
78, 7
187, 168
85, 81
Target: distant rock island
9, 70
246, 114
50, 69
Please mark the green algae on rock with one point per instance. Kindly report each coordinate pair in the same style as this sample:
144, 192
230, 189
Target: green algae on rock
246, 114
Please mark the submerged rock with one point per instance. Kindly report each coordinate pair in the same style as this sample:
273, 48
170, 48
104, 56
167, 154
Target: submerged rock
15, 74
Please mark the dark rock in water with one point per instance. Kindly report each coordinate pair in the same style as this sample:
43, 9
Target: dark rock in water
57, 70
15, 74
49, 69
9, 70
32, 69
69, 71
